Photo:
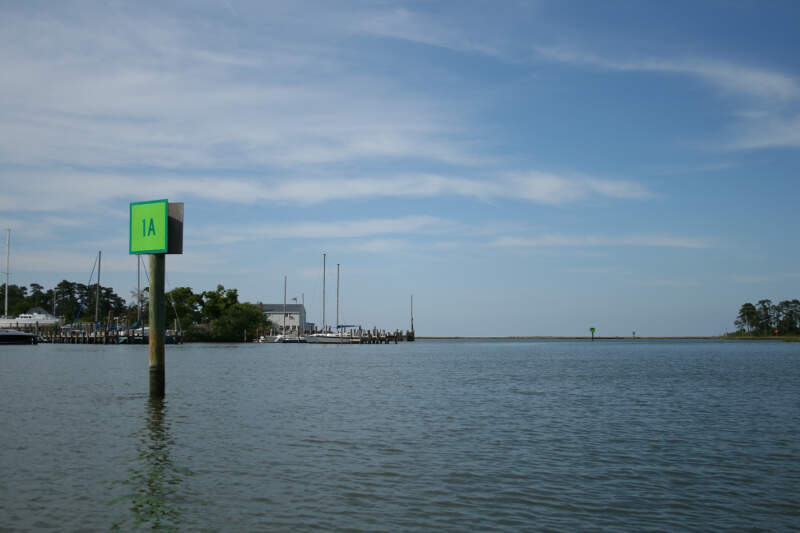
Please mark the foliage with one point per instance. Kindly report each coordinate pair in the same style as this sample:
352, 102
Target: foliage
764, 318
185, 307
73, 301
215, 316
224, 318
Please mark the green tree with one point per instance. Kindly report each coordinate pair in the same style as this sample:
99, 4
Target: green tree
222, 317
186, 306
235, 321
17, 299
133, 308
766, 317
216, 302
37, 298
747, 320
67, 300
788, 317
108, 303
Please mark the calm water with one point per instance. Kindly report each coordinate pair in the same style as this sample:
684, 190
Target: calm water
452, 436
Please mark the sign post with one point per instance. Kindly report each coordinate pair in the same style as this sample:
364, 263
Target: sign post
592, 330
151, 230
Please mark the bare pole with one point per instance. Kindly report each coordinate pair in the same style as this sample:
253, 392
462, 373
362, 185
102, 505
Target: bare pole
8, 266
139, 289
97, 292
284, 305
323, 292
412, 312
337, 297
157, 325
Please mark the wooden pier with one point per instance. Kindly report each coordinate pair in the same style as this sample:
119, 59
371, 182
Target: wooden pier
90, 334
374, 336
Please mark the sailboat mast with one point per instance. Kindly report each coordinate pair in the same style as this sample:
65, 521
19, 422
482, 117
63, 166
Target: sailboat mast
97, 292
284, 305
323, 293
8, 266
139, 288
412, 312
337, 296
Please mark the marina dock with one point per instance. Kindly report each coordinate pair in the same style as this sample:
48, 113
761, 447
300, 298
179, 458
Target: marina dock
90, 334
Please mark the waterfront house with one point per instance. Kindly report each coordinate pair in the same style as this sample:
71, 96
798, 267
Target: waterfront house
295, 317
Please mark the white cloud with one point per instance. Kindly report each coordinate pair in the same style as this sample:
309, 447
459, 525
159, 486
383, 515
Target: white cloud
380, 245
757, 279
115, 91
752, 81
674, 283
401, 23
557, 240
774, 120
769, 132
334, 229
57, 190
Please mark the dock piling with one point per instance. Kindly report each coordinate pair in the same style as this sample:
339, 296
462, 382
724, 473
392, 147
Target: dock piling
157, 325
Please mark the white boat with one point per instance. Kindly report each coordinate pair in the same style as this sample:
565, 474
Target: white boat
289, 339
284, 337
34, 318
327, 337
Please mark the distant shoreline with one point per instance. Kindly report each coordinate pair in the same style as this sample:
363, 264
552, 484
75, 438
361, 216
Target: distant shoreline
587, 338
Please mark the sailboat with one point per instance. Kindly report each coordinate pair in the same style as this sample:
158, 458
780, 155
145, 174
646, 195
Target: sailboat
283, 337
326, 337
36, 317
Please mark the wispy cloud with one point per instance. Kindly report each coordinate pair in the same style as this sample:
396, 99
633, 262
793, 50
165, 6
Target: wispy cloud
771, 119
334, 229
537, 187
769, 132
556, 240
381, 245
54, 190
754, 279
748, 80
135, 91
405, 24
672, 283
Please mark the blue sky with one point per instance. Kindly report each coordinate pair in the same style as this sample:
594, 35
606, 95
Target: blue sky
521, 168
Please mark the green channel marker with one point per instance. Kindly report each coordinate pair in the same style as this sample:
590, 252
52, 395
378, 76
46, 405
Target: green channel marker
148, 227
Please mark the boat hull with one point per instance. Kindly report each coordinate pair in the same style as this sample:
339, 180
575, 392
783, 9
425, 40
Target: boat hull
10, 336
289, 339
322, 338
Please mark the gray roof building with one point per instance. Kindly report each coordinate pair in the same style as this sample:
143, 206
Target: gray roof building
295, 318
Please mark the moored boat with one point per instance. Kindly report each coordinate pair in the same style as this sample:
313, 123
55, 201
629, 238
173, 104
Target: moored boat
327, 338
289, 339
37, 317
12, 336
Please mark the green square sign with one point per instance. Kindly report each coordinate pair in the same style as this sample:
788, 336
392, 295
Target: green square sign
148, 227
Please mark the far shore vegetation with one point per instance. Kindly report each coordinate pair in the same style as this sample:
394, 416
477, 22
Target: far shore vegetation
219, 316
765, 319
208, 316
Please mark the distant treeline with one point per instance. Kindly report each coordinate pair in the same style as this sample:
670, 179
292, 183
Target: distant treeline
768, 319
212, 316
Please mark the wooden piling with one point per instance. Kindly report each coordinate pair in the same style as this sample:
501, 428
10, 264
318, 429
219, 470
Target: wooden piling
157, 325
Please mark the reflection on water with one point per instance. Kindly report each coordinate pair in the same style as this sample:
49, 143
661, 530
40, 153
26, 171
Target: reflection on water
154, 482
